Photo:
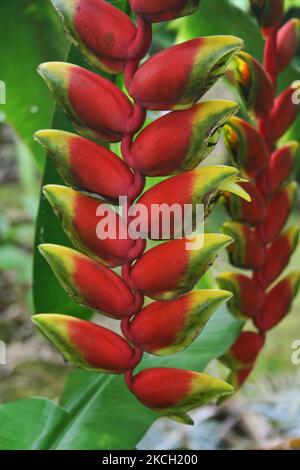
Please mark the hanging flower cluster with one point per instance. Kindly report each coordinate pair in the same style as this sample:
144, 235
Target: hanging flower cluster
262, 244
171, 80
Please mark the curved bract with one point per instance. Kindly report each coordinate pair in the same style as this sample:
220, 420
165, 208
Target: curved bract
174, 392
180, 140
85, 344
86, 166
101, 31
158, 10
88, 99
185, 267
178, 76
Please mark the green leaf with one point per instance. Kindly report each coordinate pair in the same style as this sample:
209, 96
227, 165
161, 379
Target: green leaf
29, 424
218, 335
110, 415
30, 34
121, 4
222, 17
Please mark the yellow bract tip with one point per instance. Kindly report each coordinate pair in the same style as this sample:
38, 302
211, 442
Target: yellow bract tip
234, 188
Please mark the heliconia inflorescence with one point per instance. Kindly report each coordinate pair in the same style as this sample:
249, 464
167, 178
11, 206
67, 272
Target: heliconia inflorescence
173, 145
262, 244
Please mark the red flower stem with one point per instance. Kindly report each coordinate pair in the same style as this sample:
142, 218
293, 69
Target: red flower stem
142, 40
138, 49
136, 121
270, 56
126, 148
270, 64
137, 186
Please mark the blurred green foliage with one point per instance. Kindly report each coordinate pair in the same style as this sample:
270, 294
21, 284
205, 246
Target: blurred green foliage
30, 33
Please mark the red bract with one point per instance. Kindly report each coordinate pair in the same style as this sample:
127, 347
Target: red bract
177, 77
185, 266
199, 186
250, 212
284, 112
278, 211
101, 31
174, 392
180, 140
287, 43
88, 100
246, 146
164, 328
80, 216
248, 296
157, 10
282, 165
173, 79
254, 84
278, 256
278, 302
87, 166
90, 283
244, 352
85, 344
247, 251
